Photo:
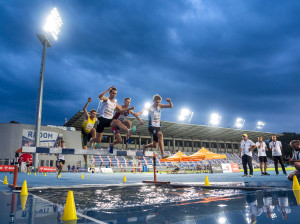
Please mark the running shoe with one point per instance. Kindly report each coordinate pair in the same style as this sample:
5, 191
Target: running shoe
250, 175
165, 156
111, 149
263, 174
266, 174
132, 130
245, 175
129, 141
58, 176
277, 173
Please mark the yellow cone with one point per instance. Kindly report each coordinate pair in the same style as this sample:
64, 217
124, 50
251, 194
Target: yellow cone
45, 175
124, 178
82, 177
70, 209
34, 174
27, 173
23, 201
38, 172
295, 183
206, 181
24, 190
5, 181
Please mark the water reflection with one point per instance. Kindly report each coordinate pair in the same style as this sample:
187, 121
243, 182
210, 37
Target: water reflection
152, 204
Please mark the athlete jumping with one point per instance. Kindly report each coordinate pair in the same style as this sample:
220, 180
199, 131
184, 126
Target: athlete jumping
154, 115
109, 105
122, 117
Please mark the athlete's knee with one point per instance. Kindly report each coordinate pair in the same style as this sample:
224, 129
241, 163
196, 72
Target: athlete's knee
154, 144
127, 123
160, 135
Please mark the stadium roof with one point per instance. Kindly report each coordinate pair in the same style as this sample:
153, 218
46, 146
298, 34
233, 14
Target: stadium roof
185, 131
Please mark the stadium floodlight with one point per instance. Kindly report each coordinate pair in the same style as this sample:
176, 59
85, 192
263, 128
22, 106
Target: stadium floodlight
215, 119
146, 107
260, 125
185, 115
53, 23
52, 26
239, 123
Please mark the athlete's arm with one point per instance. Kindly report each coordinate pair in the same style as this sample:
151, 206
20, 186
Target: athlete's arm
121, 110
137, 116
101, 95
85, 106
170, 105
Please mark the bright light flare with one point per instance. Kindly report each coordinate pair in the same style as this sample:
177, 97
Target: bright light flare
147, 105
260, 125
53, 23
239, 123
215, 119
185, 112
185, 115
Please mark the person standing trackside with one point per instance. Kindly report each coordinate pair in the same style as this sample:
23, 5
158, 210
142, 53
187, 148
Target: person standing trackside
262, 156
276, 148
247, 146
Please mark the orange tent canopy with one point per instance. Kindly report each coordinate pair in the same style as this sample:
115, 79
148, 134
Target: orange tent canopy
204, 154
175, 158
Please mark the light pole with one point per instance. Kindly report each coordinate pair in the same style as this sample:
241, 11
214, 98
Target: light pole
51, 27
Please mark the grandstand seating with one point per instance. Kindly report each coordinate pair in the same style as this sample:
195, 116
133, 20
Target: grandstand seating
122, 162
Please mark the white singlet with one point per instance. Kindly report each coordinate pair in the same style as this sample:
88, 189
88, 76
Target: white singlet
107, 109
154, 116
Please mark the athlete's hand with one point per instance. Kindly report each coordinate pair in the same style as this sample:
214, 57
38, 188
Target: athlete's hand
141, 122
131, 108
168, 100
89, 99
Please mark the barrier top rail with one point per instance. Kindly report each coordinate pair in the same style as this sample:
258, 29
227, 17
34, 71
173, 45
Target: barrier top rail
70, 151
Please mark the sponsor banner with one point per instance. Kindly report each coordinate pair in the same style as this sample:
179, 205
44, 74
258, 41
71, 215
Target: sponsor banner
47, 169
226, 168
47, 138
106, 170
150, 166
216, 168
7, 168
235, 167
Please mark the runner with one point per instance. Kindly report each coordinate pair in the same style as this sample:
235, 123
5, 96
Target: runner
295, 144
262, 156
61, 160
247, 146
107, 112
154, 124
88, 132
276, 148
122, 117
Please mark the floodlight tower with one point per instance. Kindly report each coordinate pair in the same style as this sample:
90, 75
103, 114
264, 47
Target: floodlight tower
215, 120
260, 125
239, 123
51, 30
146, 107
185, 115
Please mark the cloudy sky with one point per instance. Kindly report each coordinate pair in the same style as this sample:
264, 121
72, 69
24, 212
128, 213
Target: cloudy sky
236, 58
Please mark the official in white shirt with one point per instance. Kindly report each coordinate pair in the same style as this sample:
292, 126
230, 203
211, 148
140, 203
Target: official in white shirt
262, 156
276, 148
247, 146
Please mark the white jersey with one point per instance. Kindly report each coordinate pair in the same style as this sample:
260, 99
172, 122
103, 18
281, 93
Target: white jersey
107, 109
245, 146
61, 157
154, 116
275, 147
262, 150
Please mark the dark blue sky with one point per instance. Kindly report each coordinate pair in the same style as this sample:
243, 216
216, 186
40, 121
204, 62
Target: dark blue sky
237, 58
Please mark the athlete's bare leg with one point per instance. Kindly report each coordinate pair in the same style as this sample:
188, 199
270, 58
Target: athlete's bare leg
265, 167
117, 140
60, 168
118, 124
93, 133
128, 125
161, 142
261, 167
98, 137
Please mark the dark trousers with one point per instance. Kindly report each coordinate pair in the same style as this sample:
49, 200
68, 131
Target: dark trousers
276, 159
247, 160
